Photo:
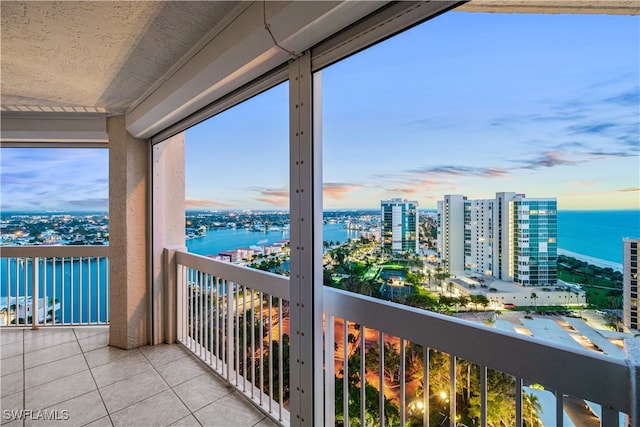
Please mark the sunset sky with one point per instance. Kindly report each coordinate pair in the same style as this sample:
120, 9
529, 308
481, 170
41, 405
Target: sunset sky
547, 105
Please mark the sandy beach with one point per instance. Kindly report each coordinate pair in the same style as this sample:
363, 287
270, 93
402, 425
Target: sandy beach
591, 260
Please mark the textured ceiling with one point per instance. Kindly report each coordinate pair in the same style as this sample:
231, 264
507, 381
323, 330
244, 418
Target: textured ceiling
97, 55
108, 56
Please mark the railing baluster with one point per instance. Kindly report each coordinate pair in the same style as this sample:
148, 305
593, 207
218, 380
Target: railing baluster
44, 290
452, 390
280, 361
229, 330
345, 371
425, 385
330, 378
107, 287
35, 314
253, 344
62, 291
236, 329
403, 405
363, 376
26, 288
179, 312
559, 408
518, 388
381, 377
483, 396
244, 339
261, 349
199, 314
218, 313
72, 320
98, 287
81, 311
270, 341
89, 302
8, 282
191, 311
210, 330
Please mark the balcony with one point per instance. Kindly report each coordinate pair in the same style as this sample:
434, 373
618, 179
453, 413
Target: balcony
71, 376
175, 66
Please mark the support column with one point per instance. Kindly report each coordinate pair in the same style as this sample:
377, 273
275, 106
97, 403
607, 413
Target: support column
168, 232
305, 189
128, 242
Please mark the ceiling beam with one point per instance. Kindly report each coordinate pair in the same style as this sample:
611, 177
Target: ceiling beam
264, 36
600, 7
20, 129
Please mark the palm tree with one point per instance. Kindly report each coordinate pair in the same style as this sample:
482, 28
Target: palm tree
534, 297
532, 409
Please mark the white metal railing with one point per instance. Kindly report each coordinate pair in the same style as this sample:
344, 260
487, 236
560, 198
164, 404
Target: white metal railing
236, 319
64, 285
361, 326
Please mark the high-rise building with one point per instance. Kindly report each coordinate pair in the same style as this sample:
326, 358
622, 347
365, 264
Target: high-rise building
511, 237
399, 227
630, 282
451, 238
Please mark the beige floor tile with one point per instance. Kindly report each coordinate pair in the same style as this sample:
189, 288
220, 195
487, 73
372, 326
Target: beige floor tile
44, 332
54, 370
104, 355
267, 422
75, 412
11, 402
11, 364
120, 369
51, 354
13, 423
12, 383
87, 331
132, 390
102, 422
201, 391
11, 349
8, 336
93, 342
163, 353
52, 338
181, 370
188, 421
63, 389
160, 410
231, 410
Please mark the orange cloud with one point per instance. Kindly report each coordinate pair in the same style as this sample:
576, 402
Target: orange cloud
629, 190
274, 196
205, 204
275, 201
336, 190
404, 190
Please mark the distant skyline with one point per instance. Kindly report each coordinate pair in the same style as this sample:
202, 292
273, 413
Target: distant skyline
467, 103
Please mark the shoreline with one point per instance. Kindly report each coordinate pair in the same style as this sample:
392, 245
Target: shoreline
603, 263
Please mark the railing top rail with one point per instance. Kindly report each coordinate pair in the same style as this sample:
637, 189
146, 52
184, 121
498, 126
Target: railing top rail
599, 378
50, 251
270, 283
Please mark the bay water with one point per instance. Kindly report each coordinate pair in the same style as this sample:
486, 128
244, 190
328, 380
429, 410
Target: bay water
594, 234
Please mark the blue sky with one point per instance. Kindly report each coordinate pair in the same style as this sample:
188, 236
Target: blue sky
547, 105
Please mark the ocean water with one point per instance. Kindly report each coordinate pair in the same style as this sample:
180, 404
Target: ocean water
597, 234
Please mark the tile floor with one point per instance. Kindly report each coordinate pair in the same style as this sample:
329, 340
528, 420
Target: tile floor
78, 378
